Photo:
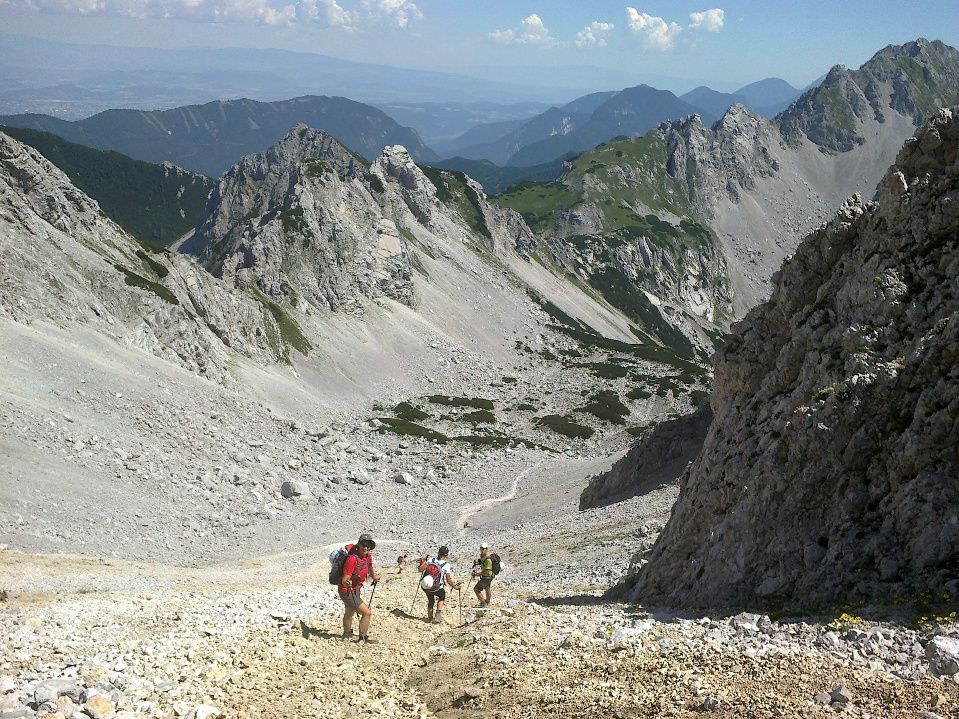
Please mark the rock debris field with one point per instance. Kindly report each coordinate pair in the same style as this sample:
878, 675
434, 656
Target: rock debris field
260, 638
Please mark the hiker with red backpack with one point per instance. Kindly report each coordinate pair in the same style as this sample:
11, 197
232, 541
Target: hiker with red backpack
486, 567
351, 566
435, 574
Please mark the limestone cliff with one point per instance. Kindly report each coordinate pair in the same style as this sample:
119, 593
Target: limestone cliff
63, 261
299, 223
831, 471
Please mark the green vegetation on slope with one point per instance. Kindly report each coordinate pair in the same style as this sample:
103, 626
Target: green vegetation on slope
453, 190
154, 203
290, 333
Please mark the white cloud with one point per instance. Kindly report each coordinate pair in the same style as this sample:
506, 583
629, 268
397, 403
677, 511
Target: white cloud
709, 20
656, 33
532, 31
397, 12
327, 13
594, 34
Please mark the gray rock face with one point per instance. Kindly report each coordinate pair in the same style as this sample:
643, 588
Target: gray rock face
63, 261
830, 471
300, 223
913, 79
659, 456
723, 160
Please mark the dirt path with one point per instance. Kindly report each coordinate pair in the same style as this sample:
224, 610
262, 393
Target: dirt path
485, 504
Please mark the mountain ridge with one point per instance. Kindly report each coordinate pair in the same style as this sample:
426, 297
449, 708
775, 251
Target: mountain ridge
210, 138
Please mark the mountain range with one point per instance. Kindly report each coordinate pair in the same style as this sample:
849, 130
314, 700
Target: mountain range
210, 138
602, 116
316, 278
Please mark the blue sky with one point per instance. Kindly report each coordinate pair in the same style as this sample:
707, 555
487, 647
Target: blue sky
725, 44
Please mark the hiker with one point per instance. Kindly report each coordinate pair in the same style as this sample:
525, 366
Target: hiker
439, 570
357, 567
400, 563
483, 568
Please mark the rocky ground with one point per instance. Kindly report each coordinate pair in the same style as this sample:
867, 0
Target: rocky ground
260, 638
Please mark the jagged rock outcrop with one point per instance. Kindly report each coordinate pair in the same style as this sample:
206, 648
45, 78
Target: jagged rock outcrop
831, 472
761, 184
914, 80
722, 161
300, 224
658, 457
63, 261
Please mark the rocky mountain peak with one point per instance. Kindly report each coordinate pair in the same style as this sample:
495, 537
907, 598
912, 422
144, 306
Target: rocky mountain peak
829, 473
914, 80
299, 223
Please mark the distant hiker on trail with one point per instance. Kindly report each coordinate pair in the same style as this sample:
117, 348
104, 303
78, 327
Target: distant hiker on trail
486, 567
435, 574
356, 567
400, 563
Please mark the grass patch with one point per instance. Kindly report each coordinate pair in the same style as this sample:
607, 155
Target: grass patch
639, 393
316, 167
591, 340
474, 402
376, 184
605, 370
526, 407
290, 332
539, 202
409, 412
480, 416
411, 429
293, 221
453, 190
607, 406
135, 280
623, 294
636, 430
565, 425
159, 269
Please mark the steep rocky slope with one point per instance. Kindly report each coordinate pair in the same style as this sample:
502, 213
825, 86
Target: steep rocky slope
830, 471
61, 260
755, 185
762, 184
623, 227
658, 457
299, 223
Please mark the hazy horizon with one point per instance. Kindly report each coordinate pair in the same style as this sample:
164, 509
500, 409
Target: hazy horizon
687, 44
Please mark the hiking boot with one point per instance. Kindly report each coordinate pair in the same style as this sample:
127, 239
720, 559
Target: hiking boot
365, 639
347, 634
438, 618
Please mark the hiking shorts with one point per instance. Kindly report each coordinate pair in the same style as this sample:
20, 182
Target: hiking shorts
353, 600
483, 584
439, 594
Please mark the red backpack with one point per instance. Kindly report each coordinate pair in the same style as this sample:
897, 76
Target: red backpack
433, 571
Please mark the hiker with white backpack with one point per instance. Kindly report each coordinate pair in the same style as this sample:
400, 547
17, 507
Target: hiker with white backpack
436, 573
351, 566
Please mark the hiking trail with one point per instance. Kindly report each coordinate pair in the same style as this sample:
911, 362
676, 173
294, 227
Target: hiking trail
485, 504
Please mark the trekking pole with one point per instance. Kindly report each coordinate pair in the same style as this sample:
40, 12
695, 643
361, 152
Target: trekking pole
372, 594
416, 593
459, 593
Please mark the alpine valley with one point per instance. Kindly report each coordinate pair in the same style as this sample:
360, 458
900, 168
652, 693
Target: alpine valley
688, 363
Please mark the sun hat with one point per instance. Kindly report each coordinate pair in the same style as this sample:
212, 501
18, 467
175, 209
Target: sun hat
367, 538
